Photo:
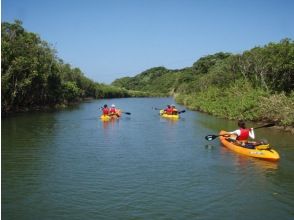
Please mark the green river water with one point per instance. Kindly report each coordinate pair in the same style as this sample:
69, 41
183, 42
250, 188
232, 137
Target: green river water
69, 165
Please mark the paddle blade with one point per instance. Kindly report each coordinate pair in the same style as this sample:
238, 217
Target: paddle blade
211, 137
266, 126
127, 113
182, 111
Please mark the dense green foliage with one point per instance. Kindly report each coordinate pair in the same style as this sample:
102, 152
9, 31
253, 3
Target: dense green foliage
156, 80
33, 76
255, 85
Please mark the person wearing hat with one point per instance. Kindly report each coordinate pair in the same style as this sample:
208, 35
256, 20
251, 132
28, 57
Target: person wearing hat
113, 110
174, 110
105, 110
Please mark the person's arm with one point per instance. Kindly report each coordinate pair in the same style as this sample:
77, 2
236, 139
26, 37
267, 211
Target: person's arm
251, 133
236, 132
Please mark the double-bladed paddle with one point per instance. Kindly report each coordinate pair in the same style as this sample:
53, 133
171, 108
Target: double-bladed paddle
180, 112
127, 113
211, 137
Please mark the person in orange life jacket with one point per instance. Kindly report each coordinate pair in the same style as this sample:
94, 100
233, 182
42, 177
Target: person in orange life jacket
174, 110
113, 110
242, 134
168, 110
105, 110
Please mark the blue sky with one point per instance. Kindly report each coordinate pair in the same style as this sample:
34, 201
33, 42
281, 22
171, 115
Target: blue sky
109, 39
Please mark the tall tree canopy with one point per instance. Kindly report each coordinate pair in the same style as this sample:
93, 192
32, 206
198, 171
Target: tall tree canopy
33, 75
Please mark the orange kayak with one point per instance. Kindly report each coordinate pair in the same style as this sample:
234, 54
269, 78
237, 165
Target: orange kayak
261, 151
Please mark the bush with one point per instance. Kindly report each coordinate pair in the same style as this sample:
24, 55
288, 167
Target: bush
278, 107
71, 91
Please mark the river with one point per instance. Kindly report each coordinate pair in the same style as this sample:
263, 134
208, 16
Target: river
69, 165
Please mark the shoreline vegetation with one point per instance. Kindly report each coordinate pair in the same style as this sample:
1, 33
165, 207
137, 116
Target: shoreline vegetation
34, 77
257, 85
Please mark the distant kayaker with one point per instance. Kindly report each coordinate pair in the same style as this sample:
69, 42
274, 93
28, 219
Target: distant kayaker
243, 133
113, 110
168, 110
174, 110
105, 110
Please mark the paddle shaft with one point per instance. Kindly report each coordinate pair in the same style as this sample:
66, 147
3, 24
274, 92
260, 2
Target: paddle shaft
263, 126
212, 137
179, 112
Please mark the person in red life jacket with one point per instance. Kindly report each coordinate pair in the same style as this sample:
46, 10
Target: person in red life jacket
168, 110
174, 110
113, 111
105, 110
242, 134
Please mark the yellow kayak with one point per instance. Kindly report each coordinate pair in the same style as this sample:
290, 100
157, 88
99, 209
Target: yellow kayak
111, 117
174, 117
260, 151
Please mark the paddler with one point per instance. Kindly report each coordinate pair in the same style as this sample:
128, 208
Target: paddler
113, 111
105, 110
174, 110
168, 110
242, 134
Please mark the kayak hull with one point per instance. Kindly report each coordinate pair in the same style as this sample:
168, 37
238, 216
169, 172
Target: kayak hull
173, 117
265, 154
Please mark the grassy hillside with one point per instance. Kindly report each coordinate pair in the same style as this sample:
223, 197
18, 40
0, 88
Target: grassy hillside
256, 85
158, 80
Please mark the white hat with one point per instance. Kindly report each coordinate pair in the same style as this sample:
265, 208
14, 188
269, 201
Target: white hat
113, 105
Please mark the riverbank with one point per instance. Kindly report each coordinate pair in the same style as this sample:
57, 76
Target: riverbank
40, 108
191, 103
250, 105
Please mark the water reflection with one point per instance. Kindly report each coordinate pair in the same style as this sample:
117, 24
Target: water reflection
108, 124
209, 147
243, 161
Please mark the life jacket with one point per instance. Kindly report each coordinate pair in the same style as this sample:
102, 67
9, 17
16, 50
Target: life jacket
169, 111
175, 111
105, 111
112, 111
244, 135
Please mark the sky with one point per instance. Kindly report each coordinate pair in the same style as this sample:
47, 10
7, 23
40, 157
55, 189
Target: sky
110, 39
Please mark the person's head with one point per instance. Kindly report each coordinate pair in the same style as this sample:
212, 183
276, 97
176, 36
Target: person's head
173, 106
113, 105
241, 124
168, 106
105, 106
